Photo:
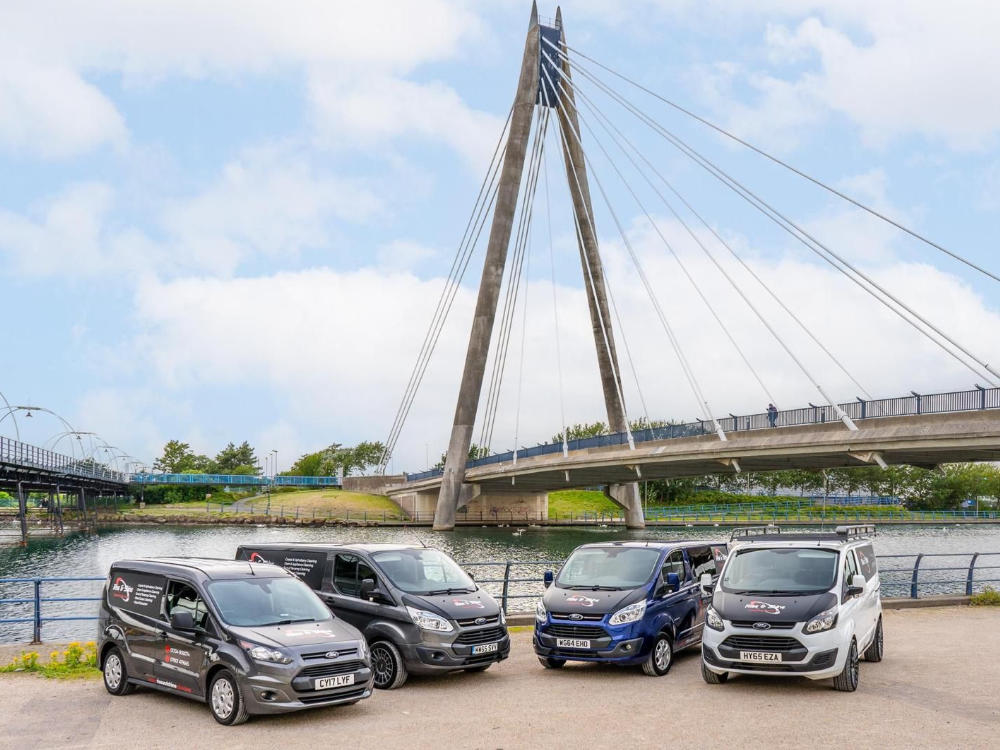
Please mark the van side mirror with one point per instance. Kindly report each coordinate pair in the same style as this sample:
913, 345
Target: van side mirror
367, 588
547, 578
706, 583
857, 585
673, 581
183, 621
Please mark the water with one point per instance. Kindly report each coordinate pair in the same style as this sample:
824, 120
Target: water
92, 555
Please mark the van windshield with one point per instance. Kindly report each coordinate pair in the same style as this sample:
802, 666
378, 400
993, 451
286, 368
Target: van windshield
608, 568
424, 571
256, 602
780, 571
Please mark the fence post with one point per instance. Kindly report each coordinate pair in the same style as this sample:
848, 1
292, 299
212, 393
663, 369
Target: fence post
37, 630
972, 573
916, 573
506, 584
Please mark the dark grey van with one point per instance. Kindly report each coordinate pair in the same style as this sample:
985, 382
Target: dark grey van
420, 612
244, 638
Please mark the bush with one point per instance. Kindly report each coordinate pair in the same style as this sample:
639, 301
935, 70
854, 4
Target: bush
988, 597
76, 660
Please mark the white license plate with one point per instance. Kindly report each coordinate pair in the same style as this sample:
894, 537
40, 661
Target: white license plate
485, 648
571, 643
759, 656
325, 683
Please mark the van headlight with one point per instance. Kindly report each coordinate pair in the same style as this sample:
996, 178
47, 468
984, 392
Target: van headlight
822, 621
428, 620
713, 620
628, 614
540, 612
503, 618
363, 649
266, 654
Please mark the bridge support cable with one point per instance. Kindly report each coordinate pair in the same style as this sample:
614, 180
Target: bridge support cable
689, 373
555, 304
589, 272
619, 136
732, 136
811, 243
513, 284
470, 237
524, 335
677, 258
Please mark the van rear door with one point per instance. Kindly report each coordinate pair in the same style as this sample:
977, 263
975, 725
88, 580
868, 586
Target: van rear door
136, 599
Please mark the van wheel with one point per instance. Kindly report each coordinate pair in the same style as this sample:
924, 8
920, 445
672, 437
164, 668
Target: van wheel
115, 674
711, 677
847, 681
225, 700
661, 656
874, 650
387, 665
550, 663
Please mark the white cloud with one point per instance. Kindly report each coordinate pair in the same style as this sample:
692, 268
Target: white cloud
402, 255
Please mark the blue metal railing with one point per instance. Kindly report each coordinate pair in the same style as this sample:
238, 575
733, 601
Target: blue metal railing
16, 453
932, 403
522, 579
235, 480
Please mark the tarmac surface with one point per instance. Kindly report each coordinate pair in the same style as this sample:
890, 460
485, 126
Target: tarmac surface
938, 686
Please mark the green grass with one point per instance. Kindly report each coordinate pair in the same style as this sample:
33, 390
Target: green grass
75, 661
988, 597
569, 502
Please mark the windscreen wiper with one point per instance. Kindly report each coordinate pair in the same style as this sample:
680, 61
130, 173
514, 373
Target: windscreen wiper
449, 592
288, 622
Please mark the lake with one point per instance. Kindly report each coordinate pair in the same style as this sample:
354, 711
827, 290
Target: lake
92, 555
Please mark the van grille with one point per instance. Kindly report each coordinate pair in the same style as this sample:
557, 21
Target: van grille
329, 670
323, 654
486, 635
471, 621
575, 631
762, 643
577, 616
786, 625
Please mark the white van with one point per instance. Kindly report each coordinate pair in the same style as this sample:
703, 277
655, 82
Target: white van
803, 604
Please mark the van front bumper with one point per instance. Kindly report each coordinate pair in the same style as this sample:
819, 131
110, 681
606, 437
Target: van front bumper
266, 694
817, 655
429, 658
618, 646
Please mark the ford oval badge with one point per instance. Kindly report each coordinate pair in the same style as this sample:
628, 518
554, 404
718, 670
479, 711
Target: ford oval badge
576, 616
480, 620
762, 626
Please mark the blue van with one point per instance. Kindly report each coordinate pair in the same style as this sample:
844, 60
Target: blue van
627, 603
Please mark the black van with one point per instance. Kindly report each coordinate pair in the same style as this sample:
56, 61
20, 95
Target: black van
244, 638
419, 610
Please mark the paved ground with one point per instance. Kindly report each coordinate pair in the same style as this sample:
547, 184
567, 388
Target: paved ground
937, 687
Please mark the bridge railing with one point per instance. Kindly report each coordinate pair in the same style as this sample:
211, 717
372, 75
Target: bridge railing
25, 607
912, 405
235, 480
20, 454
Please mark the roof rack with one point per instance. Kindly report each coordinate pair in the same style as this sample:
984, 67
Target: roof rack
754, 531
857, 530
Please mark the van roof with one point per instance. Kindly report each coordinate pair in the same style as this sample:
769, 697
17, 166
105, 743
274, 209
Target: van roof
654, 544
327, 546
209, 567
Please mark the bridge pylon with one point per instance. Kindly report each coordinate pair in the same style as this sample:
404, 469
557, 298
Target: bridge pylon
536, 86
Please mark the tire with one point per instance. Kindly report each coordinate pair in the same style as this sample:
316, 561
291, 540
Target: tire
876, 647
847, 680
387, 665
661, 657
549, 663
711, 677
115, 673
225, 700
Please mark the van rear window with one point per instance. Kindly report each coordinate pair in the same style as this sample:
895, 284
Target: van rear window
305, 565
140, 593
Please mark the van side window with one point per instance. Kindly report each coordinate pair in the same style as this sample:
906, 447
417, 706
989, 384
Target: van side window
702, 561
181, 597
850, 568
866, 561
348, 573
673, 564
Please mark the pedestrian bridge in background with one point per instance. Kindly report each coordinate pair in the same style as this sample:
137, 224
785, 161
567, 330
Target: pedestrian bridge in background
233, 480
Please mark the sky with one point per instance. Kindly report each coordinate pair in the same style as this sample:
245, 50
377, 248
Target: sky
227, 221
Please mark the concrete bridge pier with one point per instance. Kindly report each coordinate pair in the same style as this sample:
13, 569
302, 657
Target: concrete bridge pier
626, 496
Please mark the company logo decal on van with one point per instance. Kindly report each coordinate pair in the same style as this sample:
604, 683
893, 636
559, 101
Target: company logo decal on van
256, 557
583, 601
475, 603
121, 590
766, 607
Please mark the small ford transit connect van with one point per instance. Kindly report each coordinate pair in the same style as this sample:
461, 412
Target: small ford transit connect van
419, 610
795, 605
244, 638
628, 603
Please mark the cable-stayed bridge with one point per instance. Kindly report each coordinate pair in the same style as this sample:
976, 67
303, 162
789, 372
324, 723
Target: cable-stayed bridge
563, 100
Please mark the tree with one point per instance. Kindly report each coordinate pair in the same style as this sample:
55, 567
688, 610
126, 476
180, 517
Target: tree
308, 465
581, 430
236, 460
475, 452
178, 458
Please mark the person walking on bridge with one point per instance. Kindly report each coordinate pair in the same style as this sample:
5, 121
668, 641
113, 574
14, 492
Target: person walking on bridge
772, 414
